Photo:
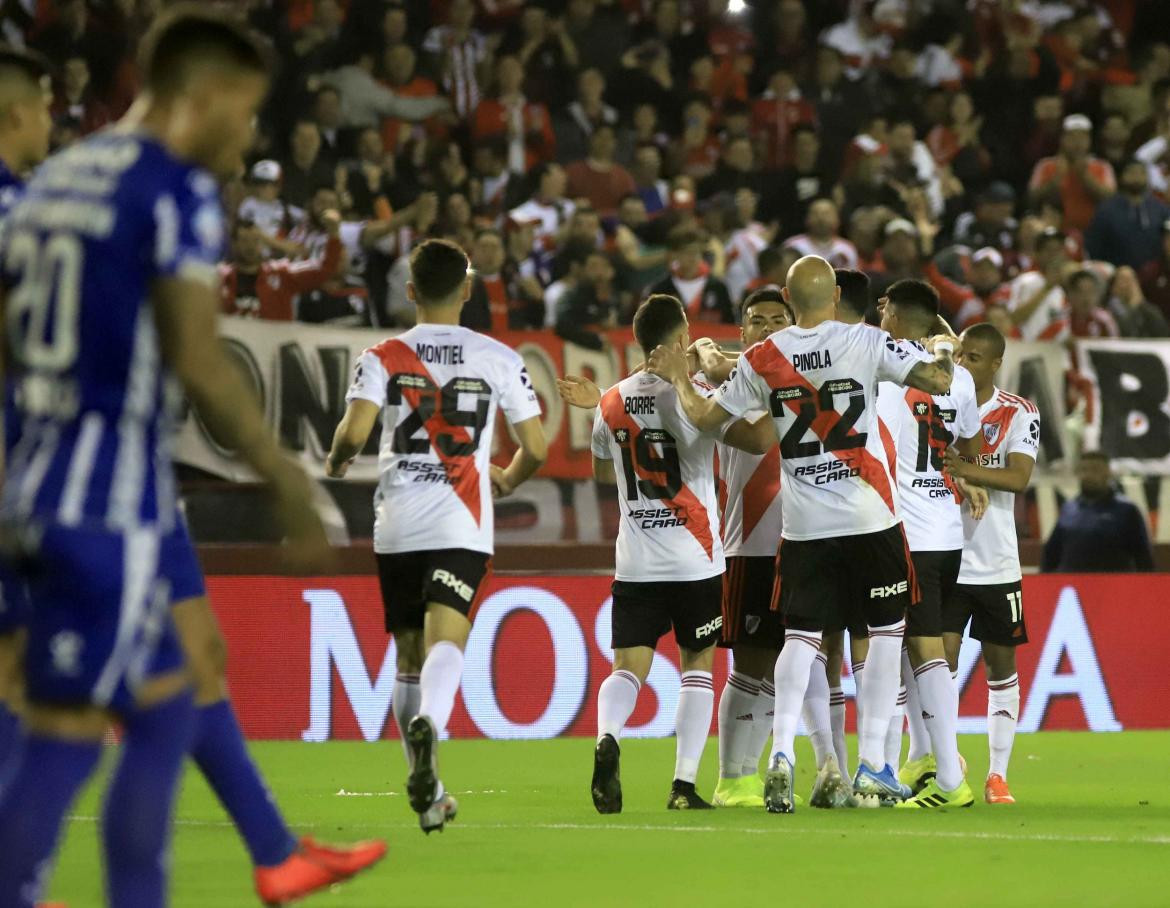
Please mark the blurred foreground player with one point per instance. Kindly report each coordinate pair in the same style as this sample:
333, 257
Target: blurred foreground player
438, 388
990, 589
111, 305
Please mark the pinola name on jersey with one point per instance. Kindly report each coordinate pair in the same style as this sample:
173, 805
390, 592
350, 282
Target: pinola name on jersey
828, 471
817, 359
659, 518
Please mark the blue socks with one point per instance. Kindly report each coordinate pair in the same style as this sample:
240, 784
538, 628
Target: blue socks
136, 821
32, 809
11, 738
220, 753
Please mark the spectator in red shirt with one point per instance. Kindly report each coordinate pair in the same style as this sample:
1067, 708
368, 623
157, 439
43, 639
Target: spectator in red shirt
987, 284
501, 298
599, 178
775, 117
1155, 277
526, 126
399, 70
1080, 179
1086, 316
253, 287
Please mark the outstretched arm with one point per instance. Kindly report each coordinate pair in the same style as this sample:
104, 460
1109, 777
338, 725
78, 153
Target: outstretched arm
349, 439
670, 363
934, 376
1011, 478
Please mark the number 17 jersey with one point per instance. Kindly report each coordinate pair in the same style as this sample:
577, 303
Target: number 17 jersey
665, 467
439, 387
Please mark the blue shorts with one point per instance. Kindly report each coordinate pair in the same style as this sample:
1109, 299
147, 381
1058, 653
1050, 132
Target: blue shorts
99, 623
13, 600
180, 564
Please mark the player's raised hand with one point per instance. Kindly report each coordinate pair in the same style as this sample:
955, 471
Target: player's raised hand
669, 362
337, 470
579, 392
942, 338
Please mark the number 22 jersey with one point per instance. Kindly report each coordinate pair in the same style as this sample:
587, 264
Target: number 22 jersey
439, 387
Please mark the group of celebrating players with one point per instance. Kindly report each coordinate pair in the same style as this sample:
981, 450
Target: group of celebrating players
867, 474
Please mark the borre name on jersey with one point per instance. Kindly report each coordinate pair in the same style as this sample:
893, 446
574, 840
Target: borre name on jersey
665, 468
439, 387
837, 480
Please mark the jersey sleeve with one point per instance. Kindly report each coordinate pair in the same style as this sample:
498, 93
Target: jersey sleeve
742, 391
189, 231
1024, 435
599, 443
518, 398
369, 380
894, 360
963, 391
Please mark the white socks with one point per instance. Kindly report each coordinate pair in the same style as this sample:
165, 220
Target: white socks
858, 668
919, 736
761, 728
1003, 712
894, 730
692, 723
879, 694
615, 703
837, 721
801, 649
404, 701
816, 711
439, 682
737, 717
940, 710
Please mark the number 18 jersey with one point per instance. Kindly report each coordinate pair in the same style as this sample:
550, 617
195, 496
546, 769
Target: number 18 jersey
439, 387
669, 528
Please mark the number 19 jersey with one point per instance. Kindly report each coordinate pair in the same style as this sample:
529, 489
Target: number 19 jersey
439, 387
820, 386
669, 528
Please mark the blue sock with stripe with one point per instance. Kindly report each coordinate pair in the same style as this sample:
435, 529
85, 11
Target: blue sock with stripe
222, 756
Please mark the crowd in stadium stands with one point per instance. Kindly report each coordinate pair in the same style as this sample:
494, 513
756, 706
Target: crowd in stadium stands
1014, 152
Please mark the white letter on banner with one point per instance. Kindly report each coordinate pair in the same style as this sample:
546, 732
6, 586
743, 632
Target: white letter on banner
571, 664
1069, 633
663, 679
333, 642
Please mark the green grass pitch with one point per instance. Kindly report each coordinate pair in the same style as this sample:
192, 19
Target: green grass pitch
1092, 828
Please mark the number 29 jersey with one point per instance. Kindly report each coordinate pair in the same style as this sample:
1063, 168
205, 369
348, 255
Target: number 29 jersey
669, 528
820, 386
439, 387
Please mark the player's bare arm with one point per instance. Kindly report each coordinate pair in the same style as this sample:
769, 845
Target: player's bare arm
975, 497
1011, 478
579, 392
753, 437
533, 452
712, 361
186, 313
933, 376
350, 437
670, 363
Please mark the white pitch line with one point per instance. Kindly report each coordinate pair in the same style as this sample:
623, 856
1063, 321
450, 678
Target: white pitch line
730, 830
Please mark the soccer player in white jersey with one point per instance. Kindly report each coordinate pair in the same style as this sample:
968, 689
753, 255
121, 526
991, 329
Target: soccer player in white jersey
922, 427
989, 593
437, 387
841, 538
669, 564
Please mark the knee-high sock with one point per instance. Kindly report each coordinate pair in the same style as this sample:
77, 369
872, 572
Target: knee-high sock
792, 674
761, 729
815, 711
404, 701
919, 735
47, 777
439, 682
895, 729
737, 705
940, 711
136, 820
837, 720
615, 703
692, 723
1003, 712
857, 671
219, 751
879, 694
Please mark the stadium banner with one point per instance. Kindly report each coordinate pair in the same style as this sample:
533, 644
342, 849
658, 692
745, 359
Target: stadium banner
309, 659
1129, 415
301, 373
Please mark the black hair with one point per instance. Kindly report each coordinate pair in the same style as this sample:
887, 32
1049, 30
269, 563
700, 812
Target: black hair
769, 294
437, 269
915, 298
577, 251
1094, 455
656, 319
681, 237
854, 290
988, 334
189, 35
23, 64
769, 258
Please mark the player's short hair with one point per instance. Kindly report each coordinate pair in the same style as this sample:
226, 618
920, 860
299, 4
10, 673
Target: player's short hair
770, 257
769, 294
1095, 455
659, 316
915, 298
986, 333
17, 63
189, 35
437, 269
854, 290
681, 237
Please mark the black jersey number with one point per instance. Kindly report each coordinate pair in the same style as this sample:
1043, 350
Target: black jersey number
411, 436
933, 428
809, 407
666, 480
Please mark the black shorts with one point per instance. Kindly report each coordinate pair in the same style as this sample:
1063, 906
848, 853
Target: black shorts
409, 580
643, 612
995, 610
937, 573
846, 582
748, 617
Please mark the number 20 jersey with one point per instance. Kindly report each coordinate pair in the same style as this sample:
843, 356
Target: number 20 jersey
820, 386
669, 528
439, 387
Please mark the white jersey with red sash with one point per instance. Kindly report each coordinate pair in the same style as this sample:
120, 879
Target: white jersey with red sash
669, 527
752, 512
439, 387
